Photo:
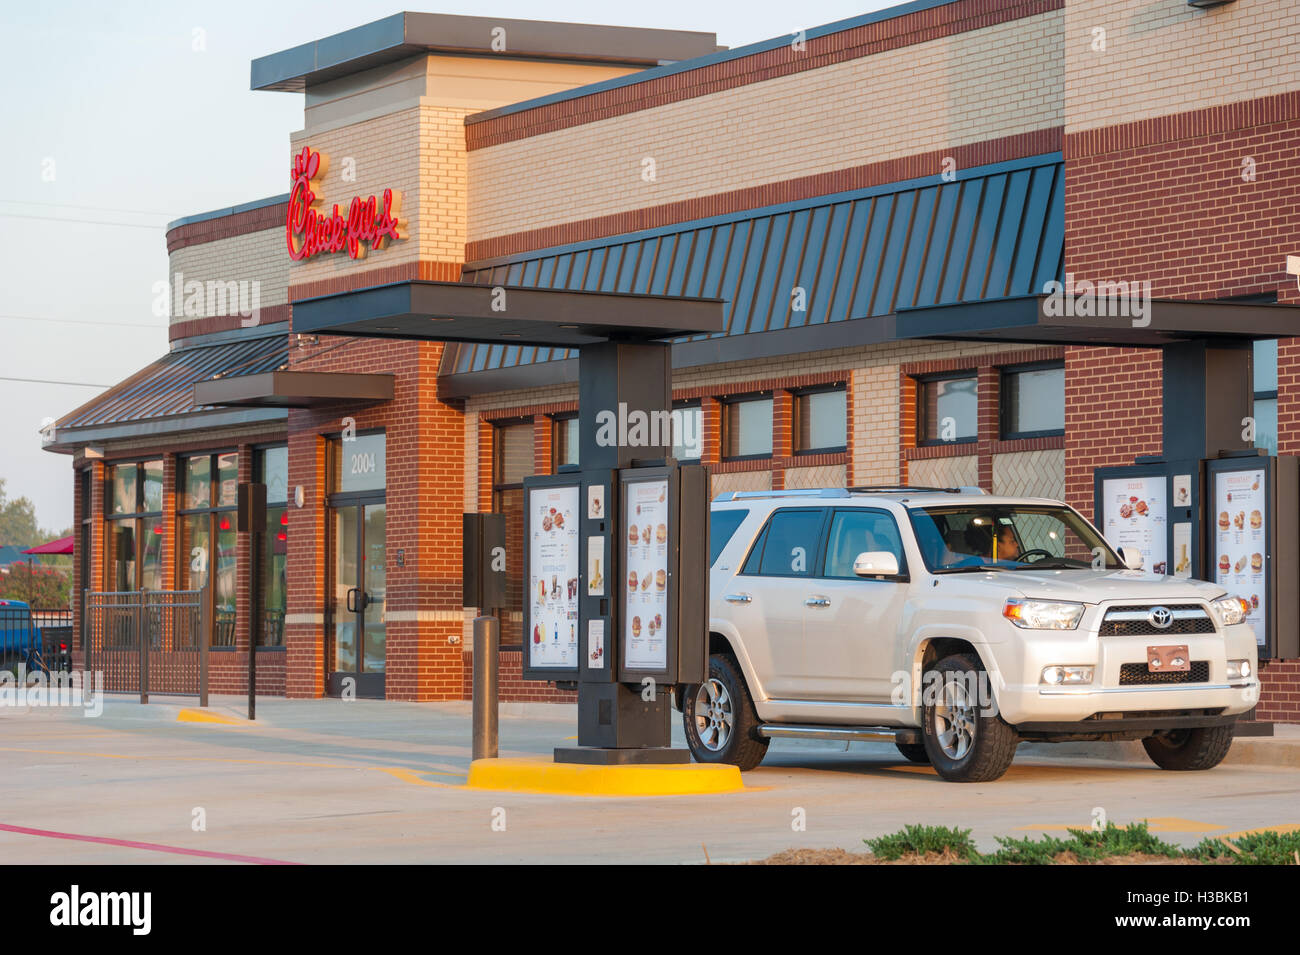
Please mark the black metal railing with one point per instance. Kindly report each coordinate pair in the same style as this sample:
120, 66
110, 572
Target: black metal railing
148, 641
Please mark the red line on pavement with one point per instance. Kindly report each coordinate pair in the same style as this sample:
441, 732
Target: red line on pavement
151, 846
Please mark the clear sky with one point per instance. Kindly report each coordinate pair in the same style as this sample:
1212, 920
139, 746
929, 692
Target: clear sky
118, 117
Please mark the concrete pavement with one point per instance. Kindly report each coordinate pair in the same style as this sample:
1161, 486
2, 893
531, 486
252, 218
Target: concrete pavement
326, 781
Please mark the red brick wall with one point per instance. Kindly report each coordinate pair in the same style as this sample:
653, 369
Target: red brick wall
1279, 697
511, 686
1164, 200
424, 500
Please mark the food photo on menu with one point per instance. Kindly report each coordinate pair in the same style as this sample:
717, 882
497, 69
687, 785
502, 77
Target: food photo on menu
647, 576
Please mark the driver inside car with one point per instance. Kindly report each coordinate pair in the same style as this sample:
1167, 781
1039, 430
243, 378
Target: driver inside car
1008, 547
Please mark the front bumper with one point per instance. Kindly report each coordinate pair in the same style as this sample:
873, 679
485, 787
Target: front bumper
1022, 700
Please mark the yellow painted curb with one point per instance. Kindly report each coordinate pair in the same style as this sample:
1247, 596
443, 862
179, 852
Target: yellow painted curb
541, 775
203, 716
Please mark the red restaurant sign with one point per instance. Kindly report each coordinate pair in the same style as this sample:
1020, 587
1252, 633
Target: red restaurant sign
309, 232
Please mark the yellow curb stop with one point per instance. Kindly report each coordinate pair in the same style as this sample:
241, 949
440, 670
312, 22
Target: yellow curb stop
541, 775
203, 716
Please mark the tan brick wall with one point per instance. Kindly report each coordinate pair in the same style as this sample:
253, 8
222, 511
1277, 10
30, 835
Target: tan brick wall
1164, 57
257, 256
1030, 474
961, 471
961, 89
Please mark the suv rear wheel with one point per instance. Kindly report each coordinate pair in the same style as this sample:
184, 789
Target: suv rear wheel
719, 718
1189, 749
966, 742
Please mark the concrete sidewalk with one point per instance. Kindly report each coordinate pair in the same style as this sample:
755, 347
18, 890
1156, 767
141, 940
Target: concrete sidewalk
1280, 750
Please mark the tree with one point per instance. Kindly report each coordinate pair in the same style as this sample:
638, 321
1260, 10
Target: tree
18, 521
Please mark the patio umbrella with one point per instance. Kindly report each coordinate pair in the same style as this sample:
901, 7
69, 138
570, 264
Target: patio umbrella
61, 546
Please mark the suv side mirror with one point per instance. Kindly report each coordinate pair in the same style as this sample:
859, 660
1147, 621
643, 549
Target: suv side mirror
876, 563
1132, 557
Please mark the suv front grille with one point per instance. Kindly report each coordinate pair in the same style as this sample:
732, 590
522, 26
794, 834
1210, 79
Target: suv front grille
1137, 674
1131, 621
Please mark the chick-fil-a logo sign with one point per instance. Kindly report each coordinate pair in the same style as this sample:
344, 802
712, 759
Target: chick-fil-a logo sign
309, 232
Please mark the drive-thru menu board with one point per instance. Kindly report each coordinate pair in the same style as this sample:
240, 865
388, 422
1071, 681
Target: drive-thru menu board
552, 636
1134, 515
1239, 525
645, 621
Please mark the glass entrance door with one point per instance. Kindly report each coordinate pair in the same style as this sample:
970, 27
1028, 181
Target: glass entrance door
359, 540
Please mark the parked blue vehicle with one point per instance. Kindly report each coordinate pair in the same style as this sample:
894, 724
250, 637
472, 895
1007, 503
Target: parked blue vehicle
21, 640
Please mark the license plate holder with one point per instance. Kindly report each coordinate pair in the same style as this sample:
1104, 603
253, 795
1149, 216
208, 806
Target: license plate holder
1168, 658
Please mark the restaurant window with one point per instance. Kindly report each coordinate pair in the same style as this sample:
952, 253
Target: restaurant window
512, 461
688, 433
206, 518
271, 467
564, 441
747, 428
947, 409
1033, 401
1265, 395
135, 526
821, 420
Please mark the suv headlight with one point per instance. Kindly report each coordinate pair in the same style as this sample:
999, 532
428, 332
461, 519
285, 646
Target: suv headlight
1043, 614
1231, 610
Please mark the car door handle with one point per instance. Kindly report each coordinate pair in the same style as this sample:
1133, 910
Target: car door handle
737, 598
816, 600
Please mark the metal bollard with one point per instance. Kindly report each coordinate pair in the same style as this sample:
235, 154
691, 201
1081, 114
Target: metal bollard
487, 631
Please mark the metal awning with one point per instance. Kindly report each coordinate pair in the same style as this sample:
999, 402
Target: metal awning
293, 389
507, 315
1038, 318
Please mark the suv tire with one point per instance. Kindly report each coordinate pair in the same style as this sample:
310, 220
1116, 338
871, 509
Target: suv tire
914, 752
1189, 749
965, 743
719, 718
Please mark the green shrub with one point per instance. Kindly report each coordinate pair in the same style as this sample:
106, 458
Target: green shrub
923, 839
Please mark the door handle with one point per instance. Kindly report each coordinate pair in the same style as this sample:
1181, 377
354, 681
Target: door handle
737, 598
350, 600
817, 601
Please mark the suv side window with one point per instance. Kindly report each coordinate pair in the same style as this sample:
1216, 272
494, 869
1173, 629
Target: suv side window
788, 545
856, 531
722, 527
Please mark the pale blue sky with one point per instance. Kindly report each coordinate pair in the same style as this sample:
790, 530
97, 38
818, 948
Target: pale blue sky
137, 128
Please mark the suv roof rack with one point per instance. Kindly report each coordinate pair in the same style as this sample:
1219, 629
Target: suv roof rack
845, 492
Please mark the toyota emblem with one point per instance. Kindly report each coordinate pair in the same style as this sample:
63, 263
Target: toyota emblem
1160, 617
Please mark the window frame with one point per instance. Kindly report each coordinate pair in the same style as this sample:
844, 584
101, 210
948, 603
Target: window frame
136, 516
212, 511
924, 380
557, 420
902, 577
1004, 406
760, 543
796, 396
682, 404
731, 401
264, 564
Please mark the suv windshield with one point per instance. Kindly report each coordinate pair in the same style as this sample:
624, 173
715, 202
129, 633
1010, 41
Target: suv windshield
1009, 537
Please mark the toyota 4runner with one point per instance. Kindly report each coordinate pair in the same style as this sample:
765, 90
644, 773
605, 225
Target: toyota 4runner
959, 624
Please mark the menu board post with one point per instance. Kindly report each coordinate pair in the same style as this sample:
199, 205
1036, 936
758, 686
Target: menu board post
552, 577
1251, 519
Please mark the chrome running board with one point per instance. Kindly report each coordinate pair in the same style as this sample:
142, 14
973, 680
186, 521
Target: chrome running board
878, 734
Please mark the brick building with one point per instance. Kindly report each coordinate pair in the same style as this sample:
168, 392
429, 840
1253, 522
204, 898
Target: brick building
829, 186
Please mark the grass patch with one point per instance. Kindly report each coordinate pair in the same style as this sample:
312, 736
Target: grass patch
919, 840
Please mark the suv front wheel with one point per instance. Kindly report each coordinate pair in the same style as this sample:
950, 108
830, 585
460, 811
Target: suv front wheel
967, 742
719, 718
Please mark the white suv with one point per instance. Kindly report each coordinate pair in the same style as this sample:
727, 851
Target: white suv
960, 624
